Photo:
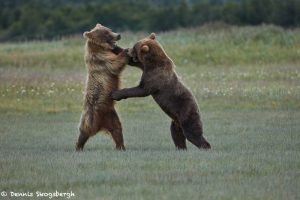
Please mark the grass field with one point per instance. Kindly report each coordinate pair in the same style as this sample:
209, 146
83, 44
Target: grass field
246, 81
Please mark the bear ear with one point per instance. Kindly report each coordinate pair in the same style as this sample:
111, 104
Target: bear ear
98, 24
145, 48
152, 36
87, 34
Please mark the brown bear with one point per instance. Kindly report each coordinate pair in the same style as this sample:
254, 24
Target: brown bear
160, 80
105, 62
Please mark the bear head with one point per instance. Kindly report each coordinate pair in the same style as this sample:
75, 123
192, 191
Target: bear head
147, 51
102, 36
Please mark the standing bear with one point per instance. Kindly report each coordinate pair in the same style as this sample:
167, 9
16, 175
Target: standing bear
105, 62
160, 80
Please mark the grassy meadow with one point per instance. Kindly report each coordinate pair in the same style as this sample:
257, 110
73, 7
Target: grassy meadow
246, 81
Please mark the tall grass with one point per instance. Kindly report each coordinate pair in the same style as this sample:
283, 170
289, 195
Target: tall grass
199, 46
252, 66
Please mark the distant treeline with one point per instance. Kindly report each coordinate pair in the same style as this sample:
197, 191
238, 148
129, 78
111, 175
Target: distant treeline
38, 19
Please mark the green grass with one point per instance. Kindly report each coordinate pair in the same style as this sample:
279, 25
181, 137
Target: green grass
246, 81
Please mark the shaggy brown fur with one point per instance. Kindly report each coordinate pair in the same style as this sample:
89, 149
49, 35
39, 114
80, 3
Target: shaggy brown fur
160, 80
104, 66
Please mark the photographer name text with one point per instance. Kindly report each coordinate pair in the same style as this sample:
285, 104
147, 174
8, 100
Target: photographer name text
49, 195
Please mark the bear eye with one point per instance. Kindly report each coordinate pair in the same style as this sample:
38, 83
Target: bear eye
109, 37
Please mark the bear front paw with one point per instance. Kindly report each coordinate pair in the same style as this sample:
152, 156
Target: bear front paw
116, 96
123, 57
124, 53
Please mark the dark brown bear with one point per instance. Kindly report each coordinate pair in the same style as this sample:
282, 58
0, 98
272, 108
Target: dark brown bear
105, 62
160, 80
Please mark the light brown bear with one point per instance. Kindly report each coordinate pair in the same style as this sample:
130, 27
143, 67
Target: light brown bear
105, 62
160, 80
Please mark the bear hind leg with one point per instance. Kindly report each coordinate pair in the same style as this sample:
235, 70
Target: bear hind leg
82, 139
89, 126
177, 135
194, 133
113, 125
